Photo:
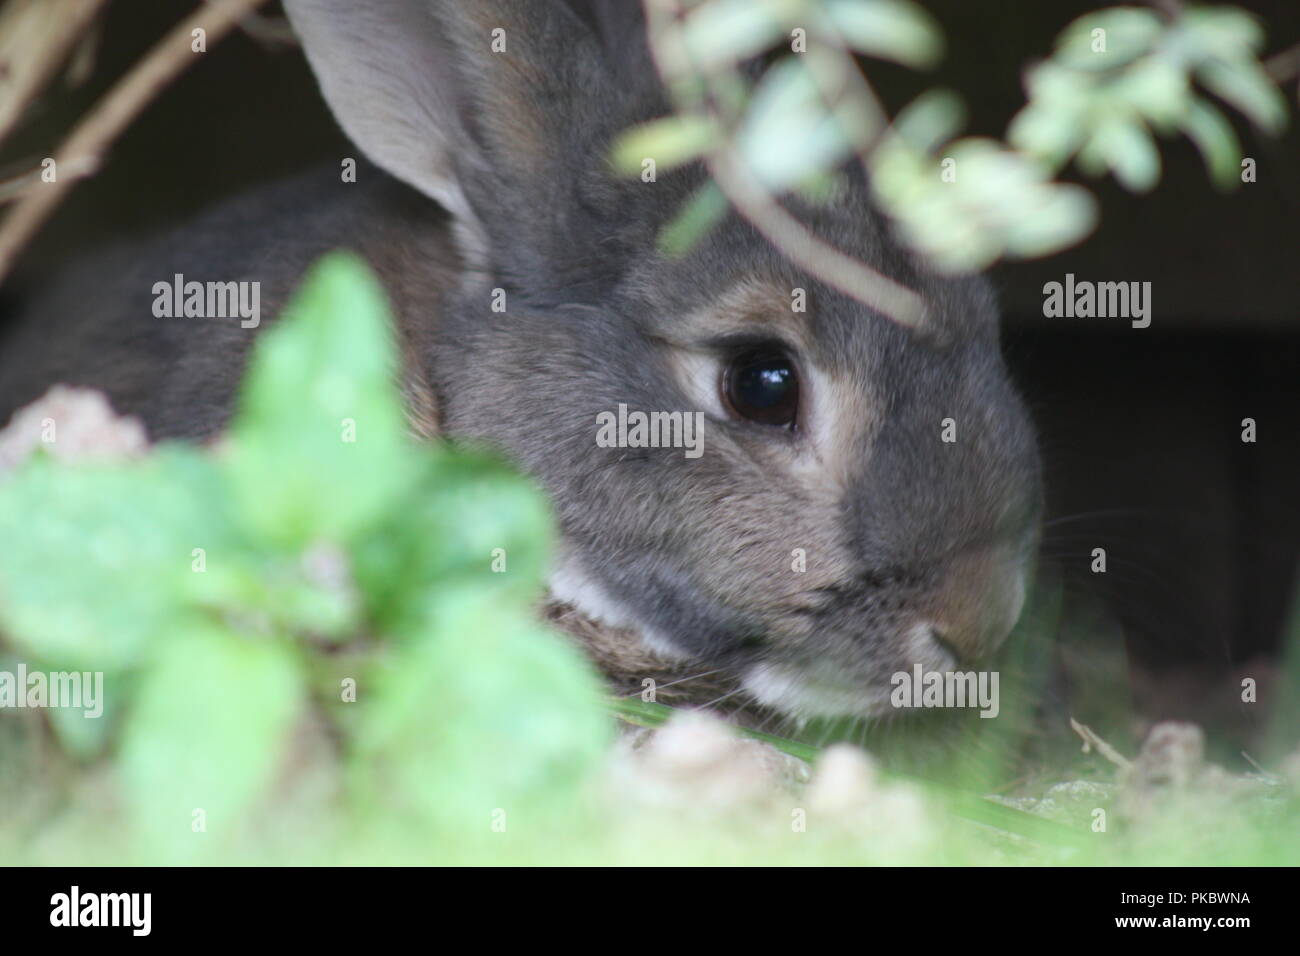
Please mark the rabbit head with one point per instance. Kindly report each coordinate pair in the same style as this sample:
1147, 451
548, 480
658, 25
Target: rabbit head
865, 496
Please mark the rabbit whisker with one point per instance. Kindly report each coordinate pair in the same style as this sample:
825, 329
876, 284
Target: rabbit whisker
719, 700
680, 680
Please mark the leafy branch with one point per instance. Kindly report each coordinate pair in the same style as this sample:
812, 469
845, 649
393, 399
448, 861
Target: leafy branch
1115, 76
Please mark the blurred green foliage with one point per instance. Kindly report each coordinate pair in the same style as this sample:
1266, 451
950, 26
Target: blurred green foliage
311, 655
231, 596
1121, 74
1116, 78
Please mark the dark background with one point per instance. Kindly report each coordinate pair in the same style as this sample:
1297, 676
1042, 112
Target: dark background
1140, 427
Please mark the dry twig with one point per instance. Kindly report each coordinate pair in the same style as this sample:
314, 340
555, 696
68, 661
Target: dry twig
36, 37
815, 256
1091, 740
82, 151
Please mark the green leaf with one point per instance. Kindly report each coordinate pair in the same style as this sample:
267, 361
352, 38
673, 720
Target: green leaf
485, 711
1063, 216
1220, 32
1214, 136
889, 29
1155, 87
96, 568
468, 515
823, 189
1127, 33
319, 446
670, 142
788, 135
207, 731
84, 731
1245, 85
267, 591
722, 32
1046, 133
705, 209
930, 120
999, 203
1053, 85
1130, 153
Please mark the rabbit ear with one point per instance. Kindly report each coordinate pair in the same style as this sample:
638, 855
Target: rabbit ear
380, 70
473, 102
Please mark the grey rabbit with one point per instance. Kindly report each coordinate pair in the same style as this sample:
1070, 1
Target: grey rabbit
826, 538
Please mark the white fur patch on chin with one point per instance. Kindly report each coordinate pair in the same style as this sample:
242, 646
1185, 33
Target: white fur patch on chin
822, 692
569, 584
797, 694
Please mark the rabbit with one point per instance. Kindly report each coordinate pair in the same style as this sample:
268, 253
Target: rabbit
827, 537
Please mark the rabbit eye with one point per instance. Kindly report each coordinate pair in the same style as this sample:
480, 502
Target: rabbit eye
761, 385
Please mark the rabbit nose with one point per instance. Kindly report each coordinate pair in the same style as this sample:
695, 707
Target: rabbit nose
978, 602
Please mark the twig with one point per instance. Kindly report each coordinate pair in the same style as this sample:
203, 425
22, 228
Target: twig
36, 37
270, 32
795, 240
1262, 772
1090, 739
13, 187
82, 151
816, 257
1284, 66
81, 65
1172, 9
